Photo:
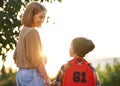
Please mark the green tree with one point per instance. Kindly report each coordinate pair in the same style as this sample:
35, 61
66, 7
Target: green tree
8, 79
10, 23
110, 76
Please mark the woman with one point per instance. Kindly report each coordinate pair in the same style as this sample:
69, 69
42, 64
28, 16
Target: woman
28, 53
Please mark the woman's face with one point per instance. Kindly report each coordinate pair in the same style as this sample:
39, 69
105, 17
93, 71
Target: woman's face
38, 19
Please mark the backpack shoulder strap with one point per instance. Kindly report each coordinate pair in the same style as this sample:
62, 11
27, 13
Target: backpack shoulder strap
78, 61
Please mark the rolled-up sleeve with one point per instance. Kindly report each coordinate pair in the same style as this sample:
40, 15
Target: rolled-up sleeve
33, 47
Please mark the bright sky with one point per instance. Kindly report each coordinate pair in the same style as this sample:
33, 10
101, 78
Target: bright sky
98, 20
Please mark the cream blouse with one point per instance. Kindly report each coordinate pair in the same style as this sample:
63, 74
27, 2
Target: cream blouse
28, 50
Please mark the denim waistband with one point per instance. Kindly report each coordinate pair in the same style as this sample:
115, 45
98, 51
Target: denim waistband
35, 72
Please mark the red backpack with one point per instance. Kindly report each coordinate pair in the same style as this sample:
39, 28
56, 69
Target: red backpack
79, 74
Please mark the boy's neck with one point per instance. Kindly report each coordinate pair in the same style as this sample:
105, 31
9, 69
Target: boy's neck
78, 57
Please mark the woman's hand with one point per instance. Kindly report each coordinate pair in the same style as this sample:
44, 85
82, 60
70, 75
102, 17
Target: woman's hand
47, 83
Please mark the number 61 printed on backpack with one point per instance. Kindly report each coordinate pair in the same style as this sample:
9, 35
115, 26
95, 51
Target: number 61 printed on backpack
79, 77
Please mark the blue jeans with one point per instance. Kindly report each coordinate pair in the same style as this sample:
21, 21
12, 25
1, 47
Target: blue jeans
29, 77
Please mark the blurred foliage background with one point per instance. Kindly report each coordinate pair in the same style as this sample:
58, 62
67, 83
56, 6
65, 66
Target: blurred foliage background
109, 76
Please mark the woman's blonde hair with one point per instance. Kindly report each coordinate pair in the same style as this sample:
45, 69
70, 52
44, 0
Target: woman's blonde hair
32, 9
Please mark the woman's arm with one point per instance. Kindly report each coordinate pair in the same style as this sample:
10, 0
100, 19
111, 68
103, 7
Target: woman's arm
43, 72
34, 53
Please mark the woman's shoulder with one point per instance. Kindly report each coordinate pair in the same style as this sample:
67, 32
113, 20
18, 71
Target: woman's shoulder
29, 31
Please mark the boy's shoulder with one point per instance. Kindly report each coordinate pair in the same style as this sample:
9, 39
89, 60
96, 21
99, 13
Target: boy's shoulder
66, 65
74, 61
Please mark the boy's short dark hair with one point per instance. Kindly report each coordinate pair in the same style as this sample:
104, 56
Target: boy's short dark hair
82, 46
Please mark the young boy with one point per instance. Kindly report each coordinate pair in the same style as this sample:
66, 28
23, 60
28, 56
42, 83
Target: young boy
80, 46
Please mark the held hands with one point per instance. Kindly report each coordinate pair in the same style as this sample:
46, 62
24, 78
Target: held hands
48, 83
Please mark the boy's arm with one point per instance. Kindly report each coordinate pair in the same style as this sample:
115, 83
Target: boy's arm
97, 77
59, 79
